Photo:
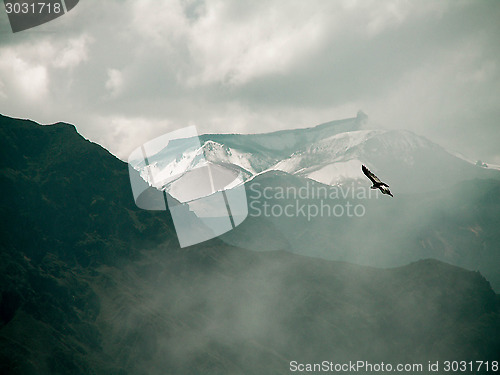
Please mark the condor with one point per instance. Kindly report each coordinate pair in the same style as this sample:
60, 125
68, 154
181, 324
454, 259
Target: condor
377, 184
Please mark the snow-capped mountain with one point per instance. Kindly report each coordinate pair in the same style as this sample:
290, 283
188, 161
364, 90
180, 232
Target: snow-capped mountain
440, 208
337, 160
246, 155
407, 161
256, 153
330, 153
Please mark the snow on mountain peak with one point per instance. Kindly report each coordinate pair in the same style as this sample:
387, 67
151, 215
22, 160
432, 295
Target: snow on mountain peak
218, 153
331, 153
339, 157
344, 141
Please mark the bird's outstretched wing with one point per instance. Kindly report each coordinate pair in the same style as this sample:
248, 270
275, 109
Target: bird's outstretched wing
372, 177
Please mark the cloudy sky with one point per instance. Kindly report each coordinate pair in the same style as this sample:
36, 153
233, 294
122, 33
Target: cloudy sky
125, 71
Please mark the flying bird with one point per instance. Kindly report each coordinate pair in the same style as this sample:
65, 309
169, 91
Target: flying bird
377, 184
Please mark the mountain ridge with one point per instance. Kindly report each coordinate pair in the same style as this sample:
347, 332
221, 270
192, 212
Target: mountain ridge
89, 284
330, 153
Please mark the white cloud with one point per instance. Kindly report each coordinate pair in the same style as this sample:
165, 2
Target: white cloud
3, 95
74, 52
234, 45
159, 22
115, 82
126, 133
247, 66
385, 15
446, 99
27, 80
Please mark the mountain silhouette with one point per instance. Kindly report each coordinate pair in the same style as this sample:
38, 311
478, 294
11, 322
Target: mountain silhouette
90, 284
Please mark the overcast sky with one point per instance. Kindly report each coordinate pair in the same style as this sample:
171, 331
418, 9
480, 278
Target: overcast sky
126, 71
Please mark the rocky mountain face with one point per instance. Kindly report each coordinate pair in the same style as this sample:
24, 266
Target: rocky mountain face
90, 284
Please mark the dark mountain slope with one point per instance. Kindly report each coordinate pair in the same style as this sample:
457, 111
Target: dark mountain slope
65, 206
64, 194
89, 284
